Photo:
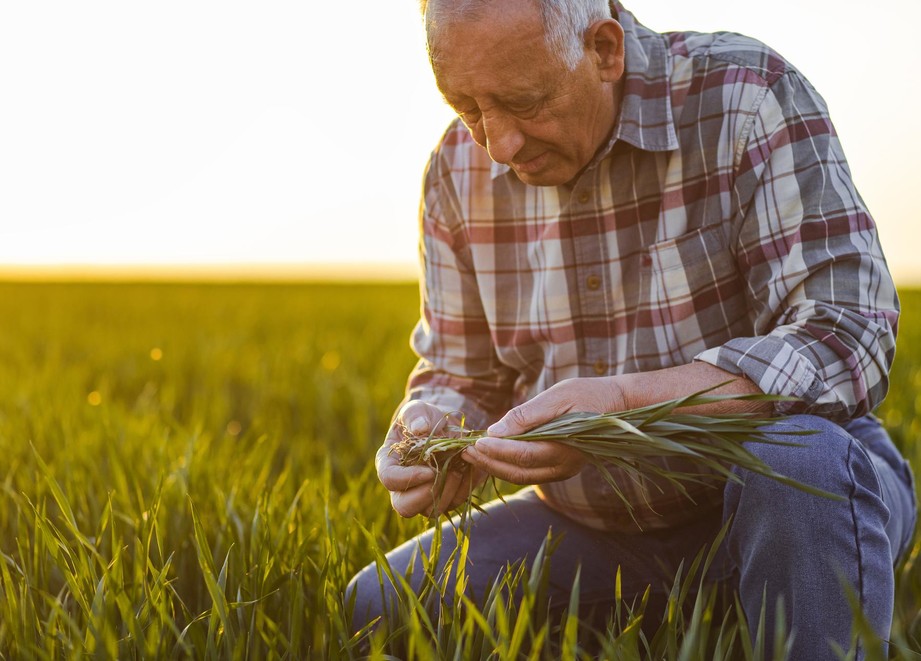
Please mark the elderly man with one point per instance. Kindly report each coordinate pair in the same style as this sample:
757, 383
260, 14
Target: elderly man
620, 217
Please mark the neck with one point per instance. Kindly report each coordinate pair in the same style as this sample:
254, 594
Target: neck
611, 110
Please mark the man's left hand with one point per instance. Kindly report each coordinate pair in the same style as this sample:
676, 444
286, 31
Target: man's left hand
537, 462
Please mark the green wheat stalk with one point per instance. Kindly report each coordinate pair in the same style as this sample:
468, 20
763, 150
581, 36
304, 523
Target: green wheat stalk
634, 441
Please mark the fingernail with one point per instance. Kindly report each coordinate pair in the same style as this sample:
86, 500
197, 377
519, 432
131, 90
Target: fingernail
418, 426
482, 446
497, 428
470, 455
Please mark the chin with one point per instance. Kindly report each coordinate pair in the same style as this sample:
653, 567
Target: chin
554, 177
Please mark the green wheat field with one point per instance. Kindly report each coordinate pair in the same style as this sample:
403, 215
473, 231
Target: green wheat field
186, 472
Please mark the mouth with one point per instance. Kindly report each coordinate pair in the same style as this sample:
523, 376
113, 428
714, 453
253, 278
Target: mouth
531, 166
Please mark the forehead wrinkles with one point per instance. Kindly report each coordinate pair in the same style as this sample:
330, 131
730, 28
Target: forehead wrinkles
503, 82
504, 20
507, 56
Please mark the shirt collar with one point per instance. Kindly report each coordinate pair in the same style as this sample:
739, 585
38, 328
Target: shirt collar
645, 120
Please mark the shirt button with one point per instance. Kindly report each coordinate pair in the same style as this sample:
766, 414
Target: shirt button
584, 197
646, 259
600, 367
593, 282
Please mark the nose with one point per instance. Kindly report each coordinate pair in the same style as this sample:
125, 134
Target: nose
502, 136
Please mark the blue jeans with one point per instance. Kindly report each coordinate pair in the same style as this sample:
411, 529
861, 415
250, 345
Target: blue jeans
781, 542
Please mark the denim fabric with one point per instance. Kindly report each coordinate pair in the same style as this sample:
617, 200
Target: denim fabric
786, 543
781, 541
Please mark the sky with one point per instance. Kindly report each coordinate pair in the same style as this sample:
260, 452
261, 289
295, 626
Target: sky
292, 135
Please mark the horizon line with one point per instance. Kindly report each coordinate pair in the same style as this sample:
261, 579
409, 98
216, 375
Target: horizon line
384, 272
216, 272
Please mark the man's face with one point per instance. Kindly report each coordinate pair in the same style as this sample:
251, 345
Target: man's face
518, 99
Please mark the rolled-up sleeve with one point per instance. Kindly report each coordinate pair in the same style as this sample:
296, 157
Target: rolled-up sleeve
823, 303
458, 369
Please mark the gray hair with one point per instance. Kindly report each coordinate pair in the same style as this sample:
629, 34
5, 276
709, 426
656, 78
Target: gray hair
565, 21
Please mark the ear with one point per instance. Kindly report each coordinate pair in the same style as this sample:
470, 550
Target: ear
604, 40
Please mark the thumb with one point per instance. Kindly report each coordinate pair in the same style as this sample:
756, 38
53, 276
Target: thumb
420, 418
419, 425
543, 408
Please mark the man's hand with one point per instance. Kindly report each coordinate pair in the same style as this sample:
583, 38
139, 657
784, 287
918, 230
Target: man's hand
412, 488
536, 462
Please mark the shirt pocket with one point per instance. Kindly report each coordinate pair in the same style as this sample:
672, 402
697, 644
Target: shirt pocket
696, 295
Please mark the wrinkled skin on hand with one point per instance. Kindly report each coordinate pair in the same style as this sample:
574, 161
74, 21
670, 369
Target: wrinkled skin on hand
412, 488
537, 462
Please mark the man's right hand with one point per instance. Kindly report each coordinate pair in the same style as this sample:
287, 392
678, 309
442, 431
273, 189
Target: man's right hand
412, 488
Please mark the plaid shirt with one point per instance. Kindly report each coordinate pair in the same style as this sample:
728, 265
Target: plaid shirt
719, 224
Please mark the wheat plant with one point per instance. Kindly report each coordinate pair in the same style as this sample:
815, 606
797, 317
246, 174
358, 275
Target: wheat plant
187, 473
634, 441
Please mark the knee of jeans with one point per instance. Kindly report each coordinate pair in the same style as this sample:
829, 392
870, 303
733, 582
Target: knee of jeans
828, 459
364, 596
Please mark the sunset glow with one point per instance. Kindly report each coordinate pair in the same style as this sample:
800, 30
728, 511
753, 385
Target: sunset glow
288, 139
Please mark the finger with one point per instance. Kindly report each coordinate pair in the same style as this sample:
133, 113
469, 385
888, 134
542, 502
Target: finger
526, 454
386, 456
543, 408
421, 499
518, 475
464, 489
471, 480
420, 418
400, 478
466, 483
509, 461
412, 501
452, 491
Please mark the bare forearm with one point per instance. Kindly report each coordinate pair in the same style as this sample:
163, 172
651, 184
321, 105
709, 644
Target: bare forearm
645, 388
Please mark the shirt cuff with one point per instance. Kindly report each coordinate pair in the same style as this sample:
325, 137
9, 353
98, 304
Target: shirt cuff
773, 365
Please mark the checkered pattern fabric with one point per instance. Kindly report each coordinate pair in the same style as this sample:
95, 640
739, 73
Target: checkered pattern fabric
719, 224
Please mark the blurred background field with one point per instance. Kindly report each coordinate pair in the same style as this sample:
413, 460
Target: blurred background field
185, 469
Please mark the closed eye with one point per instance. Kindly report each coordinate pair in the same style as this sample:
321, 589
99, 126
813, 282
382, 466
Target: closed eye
523, 109
469, 117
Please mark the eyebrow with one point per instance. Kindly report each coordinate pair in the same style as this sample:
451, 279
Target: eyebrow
458, 103
521, 99
512, 98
